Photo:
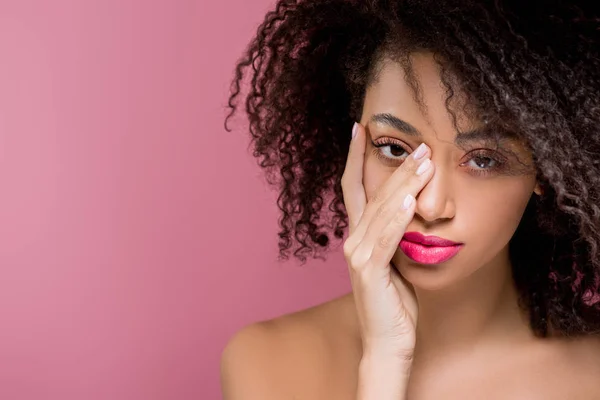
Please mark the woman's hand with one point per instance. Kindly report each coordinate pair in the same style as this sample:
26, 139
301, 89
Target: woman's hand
385, 302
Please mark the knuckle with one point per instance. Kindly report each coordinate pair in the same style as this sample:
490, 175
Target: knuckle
410, 165
354, 266
348, 249
382, 212
357, 261
399, 218
383, 242
378, 196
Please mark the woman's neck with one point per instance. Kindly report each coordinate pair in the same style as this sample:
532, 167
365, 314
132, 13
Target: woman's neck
482, 308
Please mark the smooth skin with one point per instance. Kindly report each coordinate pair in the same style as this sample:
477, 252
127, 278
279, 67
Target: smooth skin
386, 304
408, 331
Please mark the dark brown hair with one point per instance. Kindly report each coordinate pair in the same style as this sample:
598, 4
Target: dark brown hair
530, 68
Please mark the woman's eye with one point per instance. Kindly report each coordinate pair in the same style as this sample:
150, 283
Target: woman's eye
394, 151
391, 152
485, 163
481, 162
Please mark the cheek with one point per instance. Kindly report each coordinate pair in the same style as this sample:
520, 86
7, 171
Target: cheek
374, 175
494, 212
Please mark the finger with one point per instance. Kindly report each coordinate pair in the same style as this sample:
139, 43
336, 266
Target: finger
393, 216
352, 179
396, 182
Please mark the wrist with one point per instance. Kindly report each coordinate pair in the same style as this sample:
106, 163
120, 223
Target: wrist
386, 365
401, 358
382, 377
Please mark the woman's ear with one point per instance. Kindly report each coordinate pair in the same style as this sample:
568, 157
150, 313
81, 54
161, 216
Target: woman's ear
538, 189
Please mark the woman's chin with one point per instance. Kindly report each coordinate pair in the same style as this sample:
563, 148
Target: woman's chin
423, 276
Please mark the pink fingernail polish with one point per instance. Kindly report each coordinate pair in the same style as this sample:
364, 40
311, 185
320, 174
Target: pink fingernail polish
408, 200
420, 152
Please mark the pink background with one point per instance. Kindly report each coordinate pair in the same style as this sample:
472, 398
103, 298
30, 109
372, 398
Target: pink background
136, 234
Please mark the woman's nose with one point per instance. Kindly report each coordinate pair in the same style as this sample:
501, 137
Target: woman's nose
436, 200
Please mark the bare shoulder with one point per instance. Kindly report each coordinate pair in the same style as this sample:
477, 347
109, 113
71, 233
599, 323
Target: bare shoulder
578, 365
586, 356
297, 355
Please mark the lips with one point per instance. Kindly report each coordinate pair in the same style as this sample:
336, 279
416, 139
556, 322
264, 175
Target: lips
417, 237
428, 249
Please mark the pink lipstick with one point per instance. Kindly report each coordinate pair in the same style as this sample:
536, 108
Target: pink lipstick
428, 249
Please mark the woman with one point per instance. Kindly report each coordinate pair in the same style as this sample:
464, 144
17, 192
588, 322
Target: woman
470, 190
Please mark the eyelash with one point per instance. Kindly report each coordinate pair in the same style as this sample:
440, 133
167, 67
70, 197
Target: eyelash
498, 161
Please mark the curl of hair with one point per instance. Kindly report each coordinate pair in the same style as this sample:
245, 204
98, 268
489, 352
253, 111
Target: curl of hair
532, 74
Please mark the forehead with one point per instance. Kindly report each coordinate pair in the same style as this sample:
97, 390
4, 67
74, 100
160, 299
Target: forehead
418, 98
415, 104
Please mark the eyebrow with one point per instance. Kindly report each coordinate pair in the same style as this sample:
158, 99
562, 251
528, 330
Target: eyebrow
403, 126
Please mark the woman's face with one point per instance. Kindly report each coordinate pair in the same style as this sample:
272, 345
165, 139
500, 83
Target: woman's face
478, 192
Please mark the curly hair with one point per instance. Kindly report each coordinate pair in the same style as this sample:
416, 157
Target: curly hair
533, 74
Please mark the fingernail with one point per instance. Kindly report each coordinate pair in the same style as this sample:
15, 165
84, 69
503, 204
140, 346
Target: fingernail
420, 151
354, 130
423, 167
408, 200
